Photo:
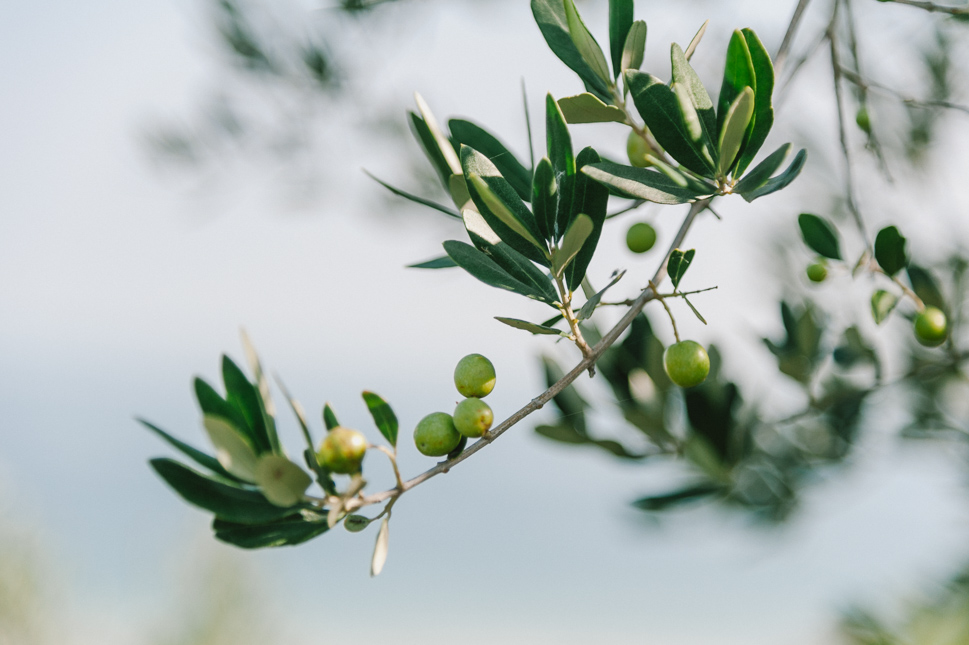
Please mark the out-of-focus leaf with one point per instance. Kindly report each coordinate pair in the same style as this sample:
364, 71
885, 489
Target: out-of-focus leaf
243, 395
763, 118
281, 481
882, 304
380, 548
820, 235
199, 457
290, 530
383, 416
679, 497
232, 449
678, 263
329, 417
414, 198
853, 349
638, 183
890, 250
588, 108
620, 22
443, 262
474, 136
695, 41
661, 111
586, 45
534, 328
780, 181
553, 23
226, 501
590, 306
634, 47
925, 286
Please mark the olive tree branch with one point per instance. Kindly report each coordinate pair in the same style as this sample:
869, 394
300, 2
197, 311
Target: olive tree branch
785, 47
933, 7
539, 402
904, 98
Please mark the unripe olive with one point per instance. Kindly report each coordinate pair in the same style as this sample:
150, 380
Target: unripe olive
636, 149
863, 119
435, 434
640, 237
342, 450
473, 417
687, 363
817, 272
474, 375
931, 327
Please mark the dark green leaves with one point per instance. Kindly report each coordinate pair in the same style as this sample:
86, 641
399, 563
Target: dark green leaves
738, 73
559, 141
820, 235
589, 198
638, 183
534, 328
554, 25
572, 242
196, 455
244, 397
414, 198
290, 530
226, 501
544, 198
443, 262
734, 129
780, 181
890, 250
763, 119
761, 173
586, 45
474, 136
686, 77
329, 417
482, 267
635, 47
620, 22
678, 263
383, 416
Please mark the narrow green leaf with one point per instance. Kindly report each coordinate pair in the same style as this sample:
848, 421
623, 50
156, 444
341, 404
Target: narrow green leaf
762, 172
226, 501
414, 198
559, 141
563, 434
635, 47
243, 395
211, 402
638, 183
620, 22
660, 110
882, 304
695, 41
572, 242
677, 265
689, 114
329, 417
499, 209
587, 108
281, 481
780, 181
694, 310
431, 150
486, 270
478, 230
763, 119
290, 530
890, 250
199, 457
820, 235
685, 76
457, 187
925, 286
734, 130
443, 262
383, 417
521, 268
591, 198
586, 45
738, 73
470, 134
263, 393
590, 305
530, 327
544, 198
442, 142
231, 448
553, 23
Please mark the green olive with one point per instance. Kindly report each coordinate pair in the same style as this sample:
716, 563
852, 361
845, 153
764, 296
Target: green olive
863, 119
687, 363
342, 450
473, 417
640, 237
931, 327
817, 272
474, 376
435, 434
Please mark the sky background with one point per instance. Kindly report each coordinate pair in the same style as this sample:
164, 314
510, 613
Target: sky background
121, 280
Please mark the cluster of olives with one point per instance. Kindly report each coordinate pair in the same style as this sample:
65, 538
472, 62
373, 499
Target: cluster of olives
439, 433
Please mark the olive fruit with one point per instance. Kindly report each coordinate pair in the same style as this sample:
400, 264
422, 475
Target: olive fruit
474, 376
687, 363
817, 272
435, 434
473, 417
636, 149
640, 237
931, 327
342, 450
863, 119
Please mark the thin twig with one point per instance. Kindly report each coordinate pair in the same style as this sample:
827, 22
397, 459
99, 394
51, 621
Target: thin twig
785, 47
933, 7
538, 402
904, 98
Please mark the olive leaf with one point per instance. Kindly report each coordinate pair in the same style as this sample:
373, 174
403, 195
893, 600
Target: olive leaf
380, 548
890, 250
383, 416
820, 235
678, 263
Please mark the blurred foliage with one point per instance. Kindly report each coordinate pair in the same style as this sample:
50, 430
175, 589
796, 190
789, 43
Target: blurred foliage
23, 594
